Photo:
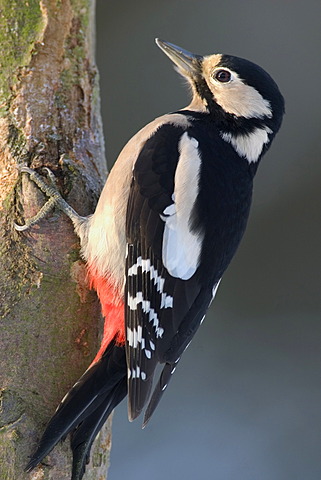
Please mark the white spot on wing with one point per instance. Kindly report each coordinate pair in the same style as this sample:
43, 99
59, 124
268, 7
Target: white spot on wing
166, 301
136, 373
187, 345
215, 288
153, 318
130, 337
145, 264
249, 146
182, 246
135, 337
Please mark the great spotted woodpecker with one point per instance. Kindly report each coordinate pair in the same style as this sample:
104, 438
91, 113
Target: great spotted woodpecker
169, 220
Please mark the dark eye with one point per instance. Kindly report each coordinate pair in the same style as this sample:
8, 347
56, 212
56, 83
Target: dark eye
223, 76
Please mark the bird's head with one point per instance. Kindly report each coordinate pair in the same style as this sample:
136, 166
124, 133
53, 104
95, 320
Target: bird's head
239, 94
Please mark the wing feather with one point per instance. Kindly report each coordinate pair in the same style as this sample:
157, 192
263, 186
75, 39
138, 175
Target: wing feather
158, 303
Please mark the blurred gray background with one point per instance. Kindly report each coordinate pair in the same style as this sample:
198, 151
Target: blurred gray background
245, 402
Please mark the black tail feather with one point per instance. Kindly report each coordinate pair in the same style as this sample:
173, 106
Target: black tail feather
84, 435
94, 393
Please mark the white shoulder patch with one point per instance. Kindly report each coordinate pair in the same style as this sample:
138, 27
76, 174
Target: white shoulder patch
182, 246
249, 146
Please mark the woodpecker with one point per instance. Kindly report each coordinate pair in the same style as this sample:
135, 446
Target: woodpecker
167, 224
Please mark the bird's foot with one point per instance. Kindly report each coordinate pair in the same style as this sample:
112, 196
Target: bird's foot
55, 199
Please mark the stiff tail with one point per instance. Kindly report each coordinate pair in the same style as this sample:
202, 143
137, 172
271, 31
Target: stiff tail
85, 434
85, 409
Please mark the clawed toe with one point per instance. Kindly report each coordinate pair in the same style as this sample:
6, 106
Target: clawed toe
55, 199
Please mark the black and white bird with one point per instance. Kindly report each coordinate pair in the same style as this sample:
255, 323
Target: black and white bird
168, 222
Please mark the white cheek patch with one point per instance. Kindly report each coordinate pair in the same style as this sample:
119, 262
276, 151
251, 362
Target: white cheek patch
249, 146
240, 99
182, 246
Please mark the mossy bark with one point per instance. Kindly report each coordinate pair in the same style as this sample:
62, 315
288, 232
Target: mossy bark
50, 321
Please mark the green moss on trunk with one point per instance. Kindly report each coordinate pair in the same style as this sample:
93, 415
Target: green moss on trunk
21, 27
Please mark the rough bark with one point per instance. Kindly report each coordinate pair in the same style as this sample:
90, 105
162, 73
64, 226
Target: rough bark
50, 116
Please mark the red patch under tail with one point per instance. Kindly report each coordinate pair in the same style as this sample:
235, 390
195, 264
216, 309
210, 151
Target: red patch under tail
112, 307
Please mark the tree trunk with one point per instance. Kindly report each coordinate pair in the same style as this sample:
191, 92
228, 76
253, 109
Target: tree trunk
50, 116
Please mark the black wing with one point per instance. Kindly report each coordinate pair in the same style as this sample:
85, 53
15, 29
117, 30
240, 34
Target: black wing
162, 312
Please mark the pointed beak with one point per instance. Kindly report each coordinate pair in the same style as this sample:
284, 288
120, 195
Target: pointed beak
188, 63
